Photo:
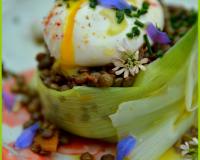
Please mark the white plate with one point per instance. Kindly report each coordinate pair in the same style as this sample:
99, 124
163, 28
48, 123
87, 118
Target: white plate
19, 17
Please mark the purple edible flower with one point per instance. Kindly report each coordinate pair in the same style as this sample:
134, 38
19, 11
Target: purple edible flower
125, 146
26, 137
8, 100
118, 4
156, 35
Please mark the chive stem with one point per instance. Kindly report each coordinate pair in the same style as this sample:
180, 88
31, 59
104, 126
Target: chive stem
139, 23
148, 44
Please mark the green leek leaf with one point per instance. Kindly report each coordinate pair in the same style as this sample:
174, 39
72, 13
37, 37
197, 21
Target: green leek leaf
86, 111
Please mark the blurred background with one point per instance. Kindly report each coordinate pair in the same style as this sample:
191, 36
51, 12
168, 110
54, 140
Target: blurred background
22, 30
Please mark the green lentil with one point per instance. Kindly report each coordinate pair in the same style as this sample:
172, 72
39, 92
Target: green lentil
118, 82
105, 80
108, 157
128, 82
87, 156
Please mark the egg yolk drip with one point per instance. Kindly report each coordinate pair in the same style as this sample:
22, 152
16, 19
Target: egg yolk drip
67, 59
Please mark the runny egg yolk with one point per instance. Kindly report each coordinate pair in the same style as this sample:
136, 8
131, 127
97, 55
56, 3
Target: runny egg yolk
67, 59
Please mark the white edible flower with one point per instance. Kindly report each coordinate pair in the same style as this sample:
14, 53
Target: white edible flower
185, 148
194, 141
129, 63
189, 150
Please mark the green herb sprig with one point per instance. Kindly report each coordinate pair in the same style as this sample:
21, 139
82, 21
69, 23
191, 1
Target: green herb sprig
148, 44
93, 3
143, 10
135, 32
120, 16
139, 24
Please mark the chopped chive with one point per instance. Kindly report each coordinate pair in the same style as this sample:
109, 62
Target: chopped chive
119, 16
134, 8
148, 44
135, 31
143, 10
139, 23
145, 5
130, 35
128, 12
93, 4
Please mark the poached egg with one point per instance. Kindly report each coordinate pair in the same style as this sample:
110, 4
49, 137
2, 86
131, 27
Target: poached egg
78, 35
